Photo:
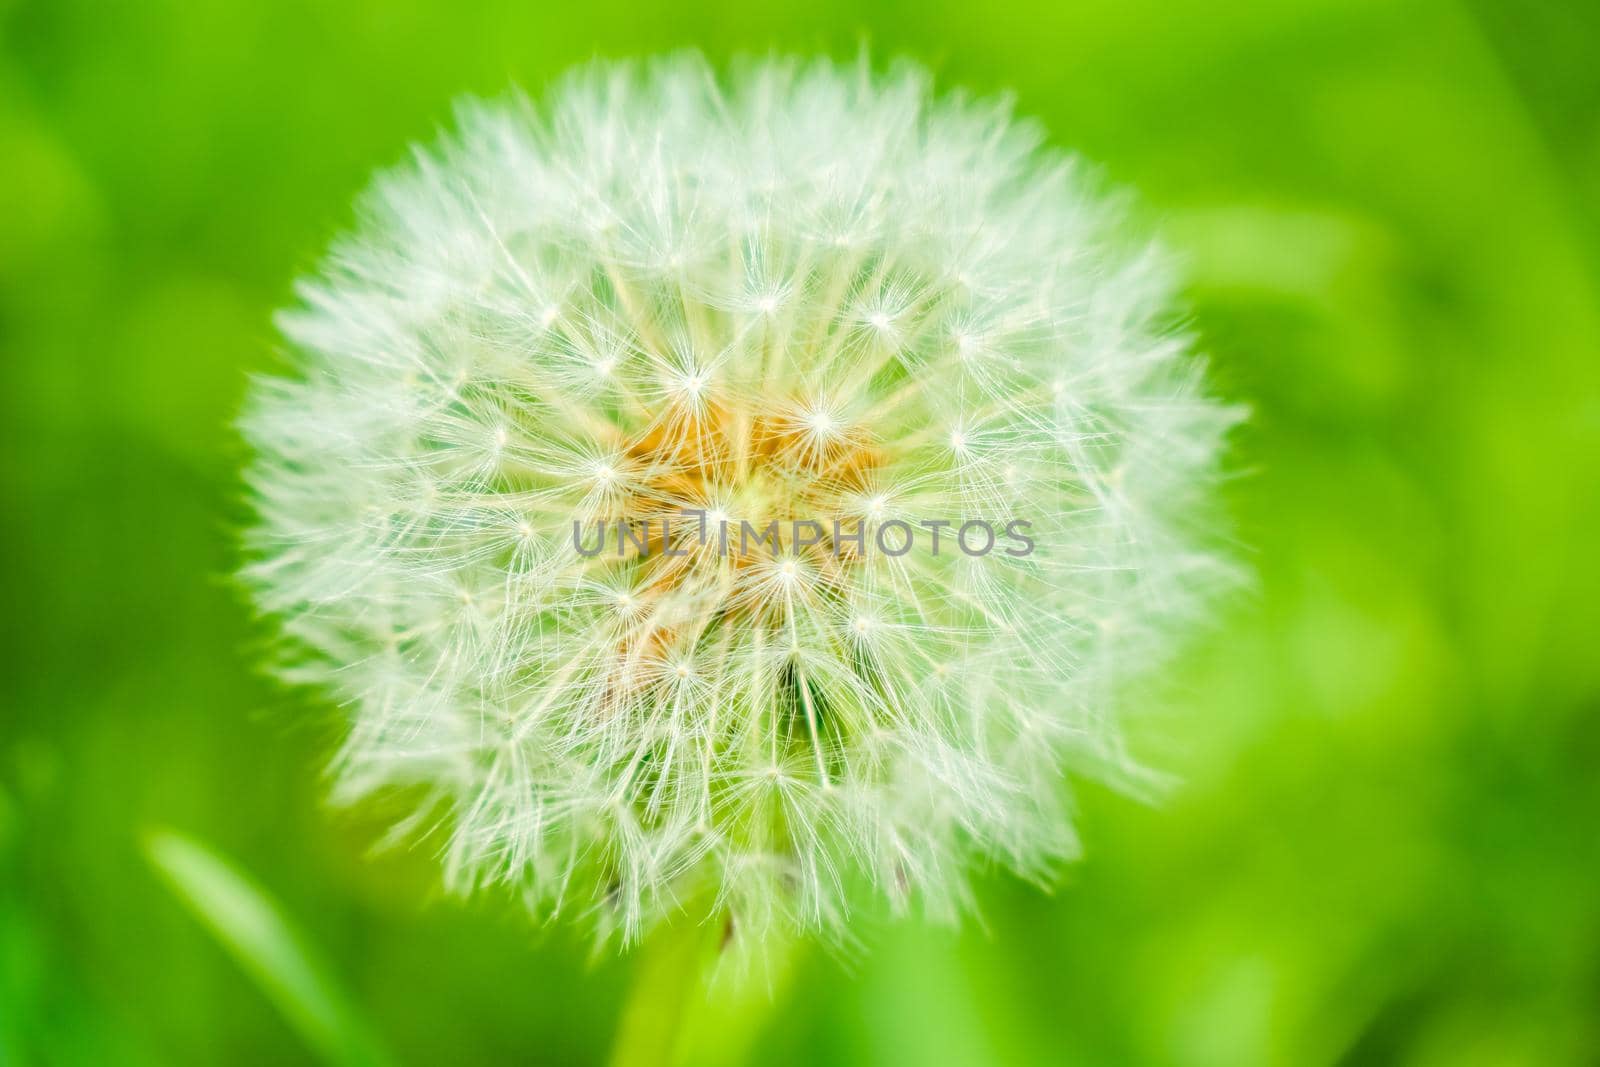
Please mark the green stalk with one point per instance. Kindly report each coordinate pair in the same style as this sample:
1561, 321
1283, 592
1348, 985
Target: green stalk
667, 973
692, 1004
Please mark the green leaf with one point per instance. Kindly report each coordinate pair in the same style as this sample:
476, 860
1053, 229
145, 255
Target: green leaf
255, 931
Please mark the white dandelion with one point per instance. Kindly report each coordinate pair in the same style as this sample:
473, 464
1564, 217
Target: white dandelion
672, 309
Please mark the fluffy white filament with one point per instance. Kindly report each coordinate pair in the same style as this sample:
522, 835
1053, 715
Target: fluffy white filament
802, 292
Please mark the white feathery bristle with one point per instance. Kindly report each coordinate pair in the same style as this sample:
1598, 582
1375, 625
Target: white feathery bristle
800, 292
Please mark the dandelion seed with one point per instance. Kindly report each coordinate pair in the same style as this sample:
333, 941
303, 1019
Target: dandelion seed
795, 293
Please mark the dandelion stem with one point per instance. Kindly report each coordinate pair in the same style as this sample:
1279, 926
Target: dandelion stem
698, 998
667, 976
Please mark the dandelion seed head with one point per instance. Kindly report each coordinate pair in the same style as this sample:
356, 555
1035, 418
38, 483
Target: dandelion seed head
800, 291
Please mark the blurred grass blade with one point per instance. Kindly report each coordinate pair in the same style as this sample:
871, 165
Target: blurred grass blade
256, 933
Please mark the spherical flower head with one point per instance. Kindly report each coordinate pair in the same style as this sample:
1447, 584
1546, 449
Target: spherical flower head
720, 494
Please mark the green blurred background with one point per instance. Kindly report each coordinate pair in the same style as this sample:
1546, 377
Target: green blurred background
1388, 846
